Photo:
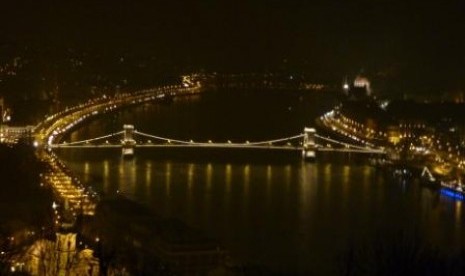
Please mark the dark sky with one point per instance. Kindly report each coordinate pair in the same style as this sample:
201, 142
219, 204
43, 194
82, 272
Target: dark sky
398, 39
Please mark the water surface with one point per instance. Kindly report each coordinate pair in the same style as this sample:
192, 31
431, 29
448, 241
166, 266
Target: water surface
284, 214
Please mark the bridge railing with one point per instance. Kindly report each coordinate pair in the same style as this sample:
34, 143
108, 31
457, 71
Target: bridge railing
295, 142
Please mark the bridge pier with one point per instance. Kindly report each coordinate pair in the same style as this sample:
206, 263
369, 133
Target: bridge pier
308, 144
128, 143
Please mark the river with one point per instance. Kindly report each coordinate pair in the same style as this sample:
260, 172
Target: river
280, 213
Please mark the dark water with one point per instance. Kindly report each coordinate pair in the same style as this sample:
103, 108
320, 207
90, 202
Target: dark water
280, 213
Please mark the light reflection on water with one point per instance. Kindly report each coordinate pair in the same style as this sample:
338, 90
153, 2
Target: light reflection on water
300, 208
106, 175
287, 214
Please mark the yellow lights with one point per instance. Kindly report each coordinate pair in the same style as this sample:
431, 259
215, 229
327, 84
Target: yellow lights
61, 122
394, 139
68, 191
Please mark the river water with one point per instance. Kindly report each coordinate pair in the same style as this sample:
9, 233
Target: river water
268, 210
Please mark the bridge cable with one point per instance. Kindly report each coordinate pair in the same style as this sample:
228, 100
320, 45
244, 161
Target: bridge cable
342, 143
90, 140
242, 144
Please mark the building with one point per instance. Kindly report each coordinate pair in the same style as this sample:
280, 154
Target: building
359, 90
59, 257
11, 135
363, 82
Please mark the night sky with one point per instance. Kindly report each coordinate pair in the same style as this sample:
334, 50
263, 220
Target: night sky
411, 43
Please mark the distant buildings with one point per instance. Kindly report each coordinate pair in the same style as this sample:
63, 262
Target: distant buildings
11, 135
364, 83
265, 81
359, 90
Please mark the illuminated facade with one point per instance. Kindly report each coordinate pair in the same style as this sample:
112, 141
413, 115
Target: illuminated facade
60, 257
362, 82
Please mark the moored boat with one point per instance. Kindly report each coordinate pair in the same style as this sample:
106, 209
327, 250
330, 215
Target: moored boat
453, 189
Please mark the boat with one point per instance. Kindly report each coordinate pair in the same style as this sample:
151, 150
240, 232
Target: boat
454, 189
453, 193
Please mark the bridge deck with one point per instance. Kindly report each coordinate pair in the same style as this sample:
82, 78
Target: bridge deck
215, 146
222, 146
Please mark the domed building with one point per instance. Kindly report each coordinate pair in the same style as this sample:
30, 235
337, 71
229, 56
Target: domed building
363, 82
360, 89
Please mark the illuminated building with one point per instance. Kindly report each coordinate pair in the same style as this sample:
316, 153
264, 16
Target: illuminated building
59, 257
362, 82
359, 90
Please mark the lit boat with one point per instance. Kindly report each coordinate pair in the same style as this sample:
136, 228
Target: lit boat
453, 193
453, 189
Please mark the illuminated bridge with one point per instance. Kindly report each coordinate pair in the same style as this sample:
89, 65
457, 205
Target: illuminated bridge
77, 200
49, 133
308, 142
72, 196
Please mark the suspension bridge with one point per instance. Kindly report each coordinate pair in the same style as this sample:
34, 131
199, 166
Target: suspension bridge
70, 192
308, 142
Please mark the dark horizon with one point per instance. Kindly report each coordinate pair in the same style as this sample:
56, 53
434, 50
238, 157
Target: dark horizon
409, 45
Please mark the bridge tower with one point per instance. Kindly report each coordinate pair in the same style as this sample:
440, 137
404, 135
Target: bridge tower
308, 144
128, 143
